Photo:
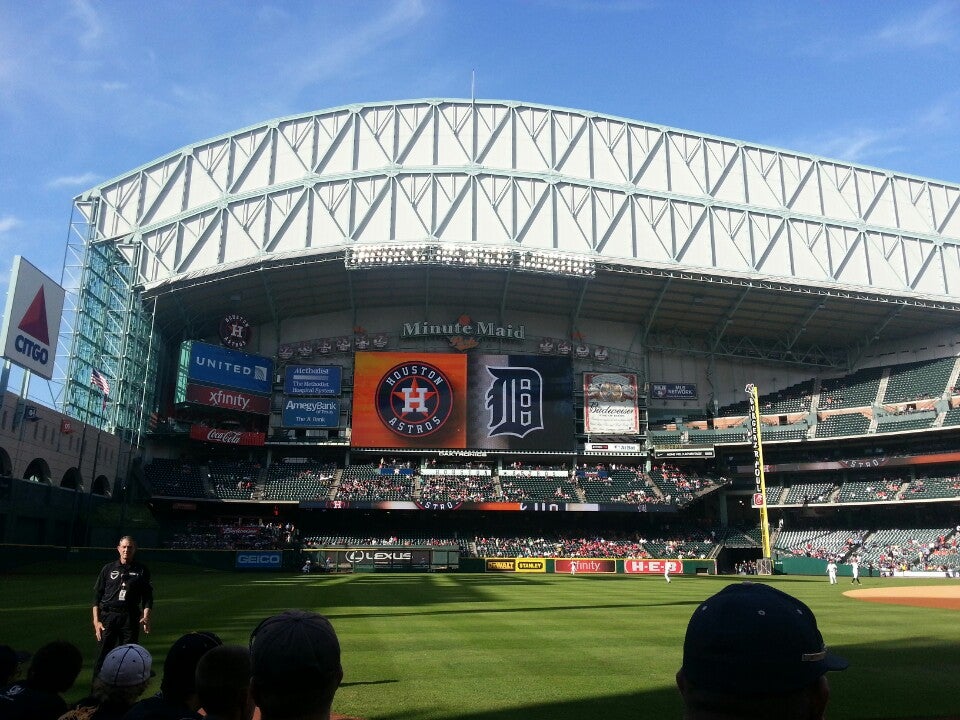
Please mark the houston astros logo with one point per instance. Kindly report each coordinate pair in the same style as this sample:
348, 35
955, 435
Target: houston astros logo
414, 399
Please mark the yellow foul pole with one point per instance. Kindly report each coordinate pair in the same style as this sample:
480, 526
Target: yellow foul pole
760, 490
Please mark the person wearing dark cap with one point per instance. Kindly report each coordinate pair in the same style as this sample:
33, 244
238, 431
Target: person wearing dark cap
52, 671
123, 676
295, 666
177, 699
122, 601
752, 652
10, 662
223, 683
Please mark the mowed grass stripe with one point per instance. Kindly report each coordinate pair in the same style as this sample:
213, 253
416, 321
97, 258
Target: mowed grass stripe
505, 647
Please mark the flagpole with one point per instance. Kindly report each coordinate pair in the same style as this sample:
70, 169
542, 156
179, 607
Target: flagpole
83, 445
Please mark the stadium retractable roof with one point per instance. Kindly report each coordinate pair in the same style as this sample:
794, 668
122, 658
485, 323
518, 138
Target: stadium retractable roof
703, 244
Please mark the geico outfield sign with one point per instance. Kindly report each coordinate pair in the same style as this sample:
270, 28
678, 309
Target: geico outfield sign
259, 560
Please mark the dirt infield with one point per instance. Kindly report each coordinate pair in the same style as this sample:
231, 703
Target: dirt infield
946, 597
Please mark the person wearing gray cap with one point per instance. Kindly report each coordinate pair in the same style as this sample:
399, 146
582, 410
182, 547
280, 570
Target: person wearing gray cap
177, 699
122, 678
753, 652
295, 666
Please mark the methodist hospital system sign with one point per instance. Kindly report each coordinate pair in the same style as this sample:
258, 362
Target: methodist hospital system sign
31, 322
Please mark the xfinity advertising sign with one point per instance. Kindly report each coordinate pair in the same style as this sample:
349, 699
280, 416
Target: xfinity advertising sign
312, 380
31, 321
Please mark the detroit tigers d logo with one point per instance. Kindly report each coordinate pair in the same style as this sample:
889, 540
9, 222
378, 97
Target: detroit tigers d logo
414, 399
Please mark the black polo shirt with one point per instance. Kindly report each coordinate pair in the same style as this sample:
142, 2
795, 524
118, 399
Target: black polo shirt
123, 587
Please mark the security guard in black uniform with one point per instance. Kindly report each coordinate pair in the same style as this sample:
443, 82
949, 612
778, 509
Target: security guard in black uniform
122, 601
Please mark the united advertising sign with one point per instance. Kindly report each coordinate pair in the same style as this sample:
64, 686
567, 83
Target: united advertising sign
312, 380
492, 402
311, 412
221, 366
31, 321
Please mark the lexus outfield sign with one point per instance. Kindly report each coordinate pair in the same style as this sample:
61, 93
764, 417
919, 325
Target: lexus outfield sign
31, 321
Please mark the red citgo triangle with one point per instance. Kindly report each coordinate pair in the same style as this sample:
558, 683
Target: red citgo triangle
34, 321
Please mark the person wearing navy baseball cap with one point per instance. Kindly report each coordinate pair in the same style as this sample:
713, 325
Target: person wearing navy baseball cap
295, 666
751, 652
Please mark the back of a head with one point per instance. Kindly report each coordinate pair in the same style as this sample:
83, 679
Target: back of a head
55, 666
223, 681
123, 676
295, 665
752, 651
10, 662
180, 665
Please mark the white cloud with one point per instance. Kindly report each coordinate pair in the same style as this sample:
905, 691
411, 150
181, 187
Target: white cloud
8, 223
873, 144
348, 50
272, 14
936, 25
90, 27
85, 180
857, 145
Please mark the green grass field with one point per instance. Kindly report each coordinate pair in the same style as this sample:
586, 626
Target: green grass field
507, 647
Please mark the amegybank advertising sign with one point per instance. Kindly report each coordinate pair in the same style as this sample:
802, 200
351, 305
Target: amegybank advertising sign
31, 321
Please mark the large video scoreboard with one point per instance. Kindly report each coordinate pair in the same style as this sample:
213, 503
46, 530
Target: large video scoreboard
444, 401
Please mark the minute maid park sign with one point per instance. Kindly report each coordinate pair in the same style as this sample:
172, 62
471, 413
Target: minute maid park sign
31, 322
464, 327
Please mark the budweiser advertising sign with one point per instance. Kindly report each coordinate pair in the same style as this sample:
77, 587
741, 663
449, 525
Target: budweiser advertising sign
226, 437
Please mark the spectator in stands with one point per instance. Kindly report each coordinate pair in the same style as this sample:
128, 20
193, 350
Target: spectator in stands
177, 699
122, 678
53, 671
752, 651
10, 662
223, 683
295, 666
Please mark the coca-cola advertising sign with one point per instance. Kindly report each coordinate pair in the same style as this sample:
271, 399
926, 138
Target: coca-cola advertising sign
652, 567
226, 437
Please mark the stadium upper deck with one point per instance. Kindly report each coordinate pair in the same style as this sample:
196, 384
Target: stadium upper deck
649, 240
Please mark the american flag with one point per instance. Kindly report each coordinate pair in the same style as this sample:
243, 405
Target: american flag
99, 381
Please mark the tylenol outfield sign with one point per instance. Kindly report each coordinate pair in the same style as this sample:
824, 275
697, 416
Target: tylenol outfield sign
31, 321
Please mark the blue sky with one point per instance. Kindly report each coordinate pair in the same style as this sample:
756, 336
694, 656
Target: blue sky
90, 90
